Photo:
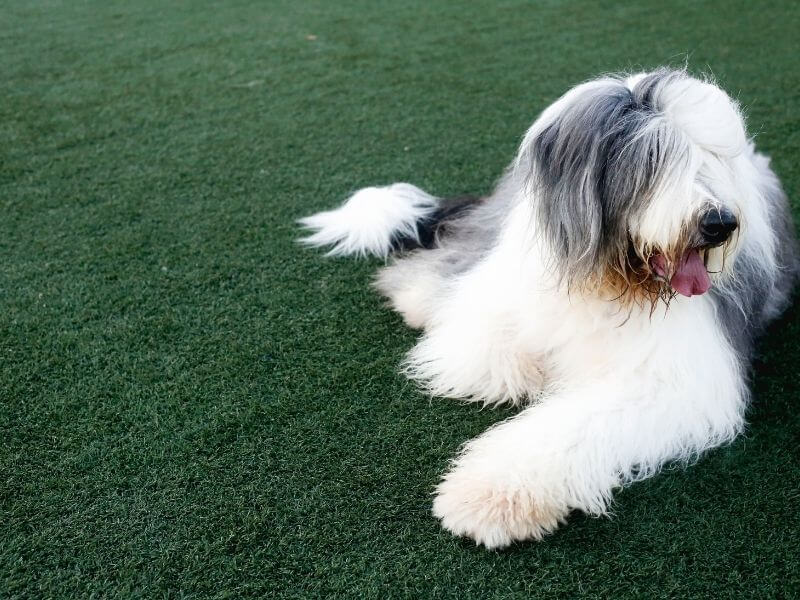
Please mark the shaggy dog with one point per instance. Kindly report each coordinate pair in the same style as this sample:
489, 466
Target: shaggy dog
612, 284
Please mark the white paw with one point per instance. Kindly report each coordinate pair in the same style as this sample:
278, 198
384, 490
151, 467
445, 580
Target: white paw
490, 513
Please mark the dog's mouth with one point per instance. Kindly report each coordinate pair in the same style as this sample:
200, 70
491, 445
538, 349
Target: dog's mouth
688, 277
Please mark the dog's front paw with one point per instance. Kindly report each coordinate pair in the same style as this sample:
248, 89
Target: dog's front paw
491, 513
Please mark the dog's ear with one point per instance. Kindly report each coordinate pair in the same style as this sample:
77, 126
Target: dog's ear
570, 166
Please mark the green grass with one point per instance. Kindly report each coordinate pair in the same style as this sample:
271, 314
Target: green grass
193, 406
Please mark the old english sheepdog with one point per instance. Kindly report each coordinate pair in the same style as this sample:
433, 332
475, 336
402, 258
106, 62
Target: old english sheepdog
612, 285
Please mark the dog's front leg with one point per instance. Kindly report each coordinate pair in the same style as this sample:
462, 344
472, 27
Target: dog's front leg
520, 479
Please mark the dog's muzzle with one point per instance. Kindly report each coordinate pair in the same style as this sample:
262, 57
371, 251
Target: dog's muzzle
717, 225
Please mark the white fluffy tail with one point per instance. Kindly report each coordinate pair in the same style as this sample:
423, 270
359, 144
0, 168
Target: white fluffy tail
372, 221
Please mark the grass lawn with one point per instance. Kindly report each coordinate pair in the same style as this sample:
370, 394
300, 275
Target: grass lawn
191, 405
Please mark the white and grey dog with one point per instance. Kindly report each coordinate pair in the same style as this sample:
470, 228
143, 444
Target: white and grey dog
613, 284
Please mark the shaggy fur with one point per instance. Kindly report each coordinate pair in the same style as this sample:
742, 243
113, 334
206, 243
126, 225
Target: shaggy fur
612, 284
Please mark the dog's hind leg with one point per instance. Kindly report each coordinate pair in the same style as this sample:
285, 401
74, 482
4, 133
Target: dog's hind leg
412, 285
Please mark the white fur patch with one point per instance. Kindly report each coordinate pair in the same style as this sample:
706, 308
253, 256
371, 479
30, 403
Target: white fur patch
370, 220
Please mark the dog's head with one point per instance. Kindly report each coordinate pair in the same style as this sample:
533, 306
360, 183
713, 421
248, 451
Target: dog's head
636, 184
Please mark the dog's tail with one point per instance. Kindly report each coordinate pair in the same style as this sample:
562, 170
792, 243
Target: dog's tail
381, 220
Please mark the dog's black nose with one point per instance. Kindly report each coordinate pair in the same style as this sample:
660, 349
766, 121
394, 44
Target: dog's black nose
717, 225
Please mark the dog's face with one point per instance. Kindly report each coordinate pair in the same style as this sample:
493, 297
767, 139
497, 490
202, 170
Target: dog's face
635, 184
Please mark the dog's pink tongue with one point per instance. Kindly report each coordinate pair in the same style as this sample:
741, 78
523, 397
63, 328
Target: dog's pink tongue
691, 277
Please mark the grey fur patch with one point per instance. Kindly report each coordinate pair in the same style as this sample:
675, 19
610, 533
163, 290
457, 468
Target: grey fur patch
740, 309
592, 168
434, 227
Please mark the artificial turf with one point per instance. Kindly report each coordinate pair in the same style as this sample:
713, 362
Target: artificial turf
191, 405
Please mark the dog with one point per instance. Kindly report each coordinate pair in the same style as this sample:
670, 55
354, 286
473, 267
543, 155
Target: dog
611, 286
